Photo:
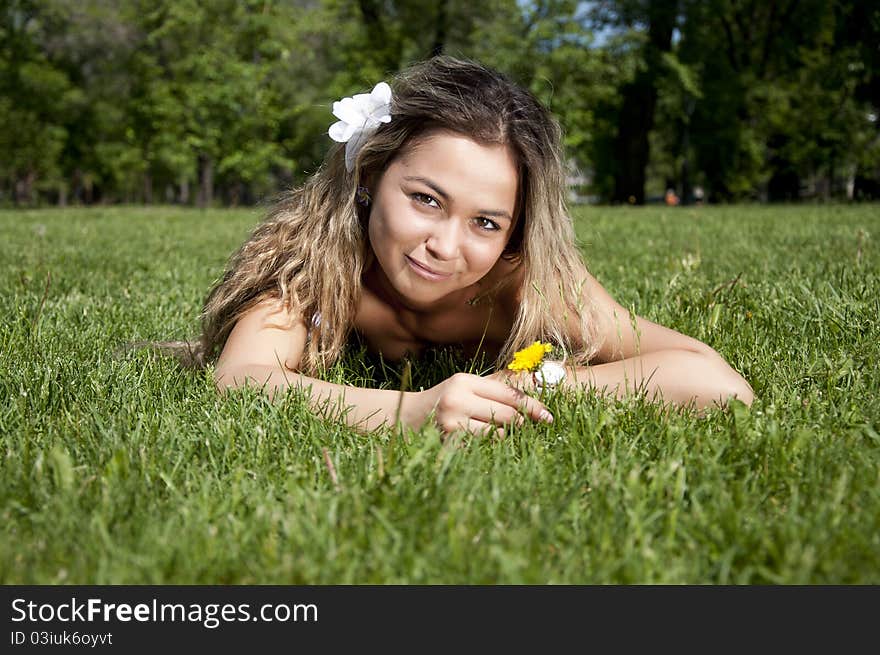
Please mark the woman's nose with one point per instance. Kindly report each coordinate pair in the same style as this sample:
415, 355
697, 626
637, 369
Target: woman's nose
443, 243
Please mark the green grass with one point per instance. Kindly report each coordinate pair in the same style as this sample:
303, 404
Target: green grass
121, 469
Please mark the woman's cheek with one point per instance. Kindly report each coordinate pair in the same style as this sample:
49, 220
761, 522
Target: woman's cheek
412, 224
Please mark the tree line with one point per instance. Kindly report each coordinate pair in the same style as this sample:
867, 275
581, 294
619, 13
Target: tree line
228, 101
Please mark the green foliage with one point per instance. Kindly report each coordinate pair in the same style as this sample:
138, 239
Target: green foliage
174, 99
119, 468
779, 109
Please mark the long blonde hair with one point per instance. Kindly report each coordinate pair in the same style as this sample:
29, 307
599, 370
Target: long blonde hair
312, 249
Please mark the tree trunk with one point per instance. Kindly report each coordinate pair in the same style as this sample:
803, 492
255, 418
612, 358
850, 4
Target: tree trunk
687, 194
206, 181
184, 190
784, 185
24, 189
235, 194
441, 27
385, 48
148, 189
631, 147
831, 174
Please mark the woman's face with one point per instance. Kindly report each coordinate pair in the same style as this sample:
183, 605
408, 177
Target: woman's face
441, 216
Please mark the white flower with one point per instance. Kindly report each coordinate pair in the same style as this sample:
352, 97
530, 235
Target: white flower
358, 117
549, 374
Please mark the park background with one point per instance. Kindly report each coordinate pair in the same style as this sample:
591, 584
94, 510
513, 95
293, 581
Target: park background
145, 121
226, 102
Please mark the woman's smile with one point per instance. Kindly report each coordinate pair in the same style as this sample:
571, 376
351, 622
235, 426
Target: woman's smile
425, 272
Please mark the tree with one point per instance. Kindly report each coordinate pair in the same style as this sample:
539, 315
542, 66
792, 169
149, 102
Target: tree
36, 95
778, 94
657, 19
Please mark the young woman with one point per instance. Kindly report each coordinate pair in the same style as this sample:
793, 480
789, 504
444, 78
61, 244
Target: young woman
439, 218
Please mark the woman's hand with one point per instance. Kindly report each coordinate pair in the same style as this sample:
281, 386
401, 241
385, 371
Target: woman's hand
522, 380
483, 405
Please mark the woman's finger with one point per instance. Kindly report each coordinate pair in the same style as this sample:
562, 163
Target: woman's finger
522, 380
492, 411
513, 397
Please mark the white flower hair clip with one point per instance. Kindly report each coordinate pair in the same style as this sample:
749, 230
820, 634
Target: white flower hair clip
358, 117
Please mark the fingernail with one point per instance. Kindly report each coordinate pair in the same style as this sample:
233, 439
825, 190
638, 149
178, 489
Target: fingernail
546, 416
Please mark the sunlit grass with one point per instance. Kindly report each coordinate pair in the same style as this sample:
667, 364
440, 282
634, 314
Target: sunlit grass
121, 469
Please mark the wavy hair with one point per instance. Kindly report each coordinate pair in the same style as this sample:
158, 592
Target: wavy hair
312, 248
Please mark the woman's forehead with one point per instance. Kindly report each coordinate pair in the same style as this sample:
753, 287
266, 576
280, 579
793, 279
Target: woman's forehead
462, 168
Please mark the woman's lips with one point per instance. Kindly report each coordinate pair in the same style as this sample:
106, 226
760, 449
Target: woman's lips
424, 271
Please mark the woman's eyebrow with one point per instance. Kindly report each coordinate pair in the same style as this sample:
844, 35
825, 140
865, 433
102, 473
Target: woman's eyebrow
440, 192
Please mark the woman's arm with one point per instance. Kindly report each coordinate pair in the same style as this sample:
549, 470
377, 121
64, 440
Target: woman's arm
637, 355
675, 375
265, 348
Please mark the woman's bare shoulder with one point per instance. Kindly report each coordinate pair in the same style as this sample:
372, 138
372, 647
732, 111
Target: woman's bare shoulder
268, 333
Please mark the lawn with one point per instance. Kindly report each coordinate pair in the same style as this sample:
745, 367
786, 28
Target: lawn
119, 468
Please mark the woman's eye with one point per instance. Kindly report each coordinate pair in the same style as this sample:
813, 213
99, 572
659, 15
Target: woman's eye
425, 199
488, 224
484, 223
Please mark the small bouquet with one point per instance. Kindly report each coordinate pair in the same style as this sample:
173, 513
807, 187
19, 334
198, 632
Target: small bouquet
545, 374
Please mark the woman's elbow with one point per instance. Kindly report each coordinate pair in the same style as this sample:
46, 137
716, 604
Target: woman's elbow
722, 380
740, 389
224, 379
730, 384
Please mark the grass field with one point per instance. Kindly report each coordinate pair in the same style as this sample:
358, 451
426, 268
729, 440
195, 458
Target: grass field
122, 469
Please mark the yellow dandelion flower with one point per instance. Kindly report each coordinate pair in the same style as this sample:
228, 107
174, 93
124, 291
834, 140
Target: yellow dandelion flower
528, 359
